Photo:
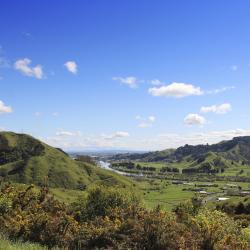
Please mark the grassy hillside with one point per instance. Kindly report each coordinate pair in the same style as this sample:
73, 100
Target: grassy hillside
200, 158
25, 159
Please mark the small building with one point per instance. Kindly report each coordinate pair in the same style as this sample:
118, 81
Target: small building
202, 192
222, 198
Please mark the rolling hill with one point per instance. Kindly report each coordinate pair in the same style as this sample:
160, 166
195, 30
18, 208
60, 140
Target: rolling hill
24, 159
200, 158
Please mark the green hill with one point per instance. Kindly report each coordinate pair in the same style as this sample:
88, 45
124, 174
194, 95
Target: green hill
200, 158
25, 159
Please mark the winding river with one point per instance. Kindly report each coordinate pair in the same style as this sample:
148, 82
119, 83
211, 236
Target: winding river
106, 165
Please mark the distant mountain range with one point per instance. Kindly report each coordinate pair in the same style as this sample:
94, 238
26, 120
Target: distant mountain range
199, 158
25, 159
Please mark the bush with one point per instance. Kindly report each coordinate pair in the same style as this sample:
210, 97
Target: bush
219, 231
111, 218
101, 200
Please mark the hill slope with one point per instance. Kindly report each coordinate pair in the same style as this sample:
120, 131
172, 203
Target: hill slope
27, 160
200, 158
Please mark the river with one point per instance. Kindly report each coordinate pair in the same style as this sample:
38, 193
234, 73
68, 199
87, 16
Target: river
106, 165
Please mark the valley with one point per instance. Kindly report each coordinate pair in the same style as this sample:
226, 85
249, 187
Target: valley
219, 179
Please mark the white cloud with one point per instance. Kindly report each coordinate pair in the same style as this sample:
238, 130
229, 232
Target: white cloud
177, 140
119, 134
144, 125
220, 90
194, 119
4, 109
68, 133
71, 66
155, 142
76, 140
151, 118
218, 109
175, 89
22, 65
130, 81
156, 82
145, 122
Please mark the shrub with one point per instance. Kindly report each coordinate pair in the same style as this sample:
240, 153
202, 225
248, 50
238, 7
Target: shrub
218, 230
101, 200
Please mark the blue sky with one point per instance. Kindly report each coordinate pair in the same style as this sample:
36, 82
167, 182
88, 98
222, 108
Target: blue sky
125, 74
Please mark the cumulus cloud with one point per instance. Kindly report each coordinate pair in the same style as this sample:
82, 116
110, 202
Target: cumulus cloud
23, 65
71, 66
194, 119
130, 81
4, 109
177, 90
218, 109
145, 122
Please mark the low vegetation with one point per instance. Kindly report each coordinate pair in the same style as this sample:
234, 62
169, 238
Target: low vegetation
113, 218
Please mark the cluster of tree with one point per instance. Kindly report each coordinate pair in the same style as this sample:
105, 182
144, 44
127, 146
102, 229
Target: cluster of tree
169, 169
111, 218
25, 148
200, 170
235, 208
127, 165
240, 211
145, 168
132, 165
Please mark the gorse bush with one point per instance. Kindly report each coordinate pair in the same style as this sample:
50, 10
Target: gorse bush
113, 218
37, 217
101, 200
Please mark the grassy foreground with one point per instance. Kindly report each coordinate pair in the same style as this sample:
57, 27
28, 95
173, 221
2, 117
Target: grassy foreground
18, 245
